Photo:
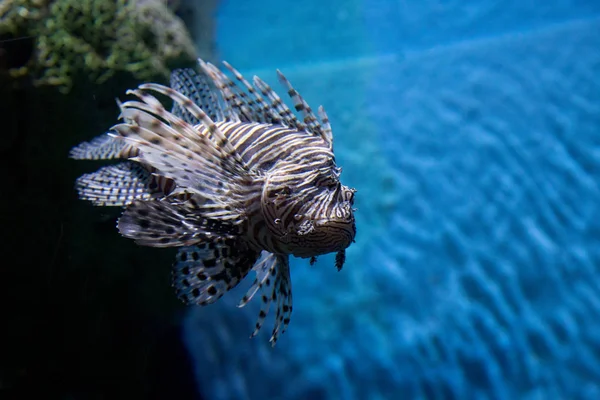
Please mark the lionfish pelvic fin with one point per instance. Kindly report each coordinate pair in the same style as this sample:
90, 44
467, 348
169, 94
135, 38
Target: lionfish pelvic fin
273, 280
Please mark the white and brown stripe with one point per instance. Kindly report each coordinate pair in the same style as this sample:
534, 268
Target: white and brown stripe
230, 165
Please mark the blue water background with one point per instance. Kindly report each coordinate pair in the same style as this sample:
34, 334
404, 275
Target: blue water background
471, 130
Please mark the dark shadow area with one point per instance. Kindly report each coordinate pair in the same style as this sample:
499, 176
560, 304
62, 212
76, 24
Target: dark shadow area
86, 314
171, 370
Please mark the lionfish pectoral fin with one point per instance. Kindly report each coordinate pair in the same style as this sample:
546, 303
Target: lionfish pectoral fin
273, 280
160, 224
115, 185
204, 272
103, 147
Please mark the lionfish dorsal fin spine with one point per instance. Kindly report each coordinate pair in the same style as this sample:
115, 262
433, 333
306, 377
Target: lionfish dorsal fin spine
234, 106
211, 72
312, 123
249, 107
249, 100
286, 115
263, 112
196, 87
221, 140
326, 125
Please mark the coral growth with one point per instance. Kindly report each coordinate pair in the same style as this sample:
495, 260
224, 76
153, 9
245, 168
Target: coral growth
94, 39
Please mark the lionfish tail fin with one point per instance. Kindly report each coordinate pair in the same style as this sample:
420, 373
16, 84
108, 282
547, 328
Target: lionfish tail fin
204, 272
161, 224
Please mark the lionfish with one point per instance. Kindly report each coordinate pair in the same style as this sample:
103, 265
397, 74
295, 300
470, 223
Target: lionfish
232, 177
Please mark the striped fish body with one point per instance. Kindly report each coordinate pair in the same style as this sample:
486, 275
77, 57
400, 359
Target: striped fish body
301, 199
231, 177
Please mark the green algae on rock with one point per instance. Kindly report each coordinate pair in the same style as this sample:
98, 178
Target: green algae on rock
94, 39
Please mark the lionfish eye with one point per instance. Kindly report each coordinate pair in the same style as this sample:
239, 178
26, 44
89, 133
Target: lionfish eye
330, 183
276, 192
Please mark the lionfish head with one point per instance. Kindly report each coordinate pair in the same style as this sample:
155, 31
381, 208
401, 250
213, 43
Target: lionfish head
311, 212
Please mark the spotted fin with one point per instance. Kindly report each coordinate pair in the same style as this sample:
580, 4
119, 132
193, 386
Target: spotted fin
248, 103
327, 132
187, 81
273, 280
204, 272
115, 185
196, 86
103, 147
259, 109
204, 162
120, 184
286, 115
161, 224
312, 123
236, 107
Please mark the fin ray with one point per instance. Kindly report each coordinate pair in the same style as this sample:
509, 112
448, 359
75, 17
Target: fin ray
312, 123
115, 185
283, 288
204, 272
180, 152
273, 280
221, 140
197, 88
103, 147
160, 224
